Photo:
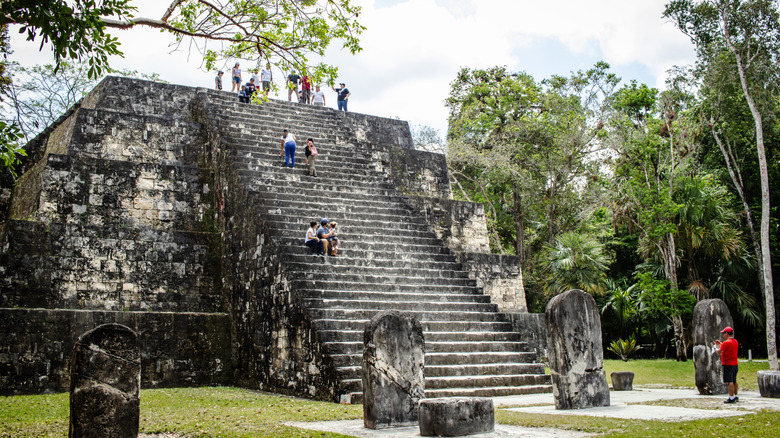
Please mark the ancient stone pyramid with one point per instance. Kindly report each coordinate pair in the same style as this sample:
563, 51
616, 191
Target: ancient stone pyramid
167, 209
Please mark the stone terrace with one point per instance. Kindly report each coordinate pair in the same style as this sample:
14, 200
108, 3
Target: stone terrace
173, 199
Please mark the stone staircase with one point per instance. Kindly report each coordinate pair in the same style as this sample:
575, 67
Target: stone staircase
389, 257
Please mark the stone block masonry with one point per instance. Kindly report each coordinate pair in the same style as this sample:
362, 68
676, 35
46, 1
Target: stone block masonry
107, 268
177, 349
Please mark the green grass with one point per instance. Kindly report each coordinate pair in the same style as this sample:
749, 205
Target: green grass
192, 412
673, 374
235, 412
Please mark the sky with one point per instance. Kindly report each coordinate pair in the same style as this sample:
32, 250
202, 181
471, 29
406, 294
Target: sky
413, 49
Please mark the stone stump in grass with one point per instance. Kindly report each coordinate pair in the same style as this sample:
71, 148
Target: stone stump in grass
393, 362
622, 381
769, 383
456, 416
575, 352
709, 318
105, 383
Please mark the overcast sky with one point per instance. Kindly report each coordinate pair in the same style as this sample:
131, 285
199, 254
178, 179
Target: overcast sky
413, 49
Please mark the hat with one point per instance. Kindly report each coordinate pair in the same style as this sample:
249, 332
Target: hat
323, 221
341, 83
728, 330
220, 72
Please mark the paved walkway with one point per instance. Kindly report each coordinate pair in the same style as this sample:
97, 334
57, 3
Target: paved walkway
623, 404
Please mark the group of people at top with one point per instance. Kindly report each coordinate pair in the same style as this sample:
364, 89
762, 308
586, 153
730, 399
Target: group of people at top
266, 77
322, 239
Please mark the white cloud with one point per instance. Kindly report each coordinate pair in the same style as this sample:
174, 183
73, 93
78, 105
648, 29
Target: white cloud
413, 49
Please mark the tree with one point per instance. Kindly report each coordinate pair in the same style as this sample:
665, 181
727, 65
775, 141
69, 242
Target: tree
750, 31
649, 141
529, 144
284, 33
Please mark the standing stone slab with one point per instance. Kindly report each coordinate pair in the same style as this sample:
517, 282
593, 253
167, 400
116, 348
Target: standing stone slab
709, 318
575, 353
393, 361
105, 383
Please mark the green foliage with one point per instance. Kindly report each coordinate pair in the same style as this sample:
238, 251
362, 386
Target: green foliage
10, 149
75, 29
576, 261
624, 348
657, 296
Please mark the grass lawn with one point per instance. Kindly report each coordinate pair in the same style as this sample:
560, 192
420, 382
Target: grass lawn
673, 374
235, 412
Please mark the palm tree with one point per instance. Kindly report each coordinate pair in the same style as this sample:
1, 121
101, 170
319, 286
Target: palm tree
707, 231
576, 261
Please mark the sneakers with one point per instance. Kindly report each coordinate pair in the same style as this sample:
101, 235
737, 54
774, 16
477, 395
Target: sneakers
730, 400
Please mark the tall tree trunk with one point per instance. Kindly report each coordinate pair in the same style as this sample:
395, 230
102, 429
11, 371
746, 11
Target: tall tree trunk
670, 270
520, 223
736, 178
766, 256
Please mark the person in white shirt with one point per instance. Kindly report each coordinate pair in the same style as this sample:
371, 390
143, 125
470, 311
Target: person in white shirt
318, 97
267, 76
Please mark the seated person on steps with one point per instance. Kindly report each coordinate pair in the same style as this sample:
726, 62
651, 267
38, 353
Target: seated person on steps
312, 241
323, 233
333, 240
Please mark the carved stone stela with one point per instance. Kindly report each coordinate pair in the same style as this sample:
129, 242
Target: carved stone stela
393, 379
576, 355
105, 383
709, 318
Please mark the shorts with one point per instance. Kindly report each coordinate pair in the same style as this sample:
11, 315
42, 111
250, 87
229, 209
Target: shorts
266, 85
237, 79
730, 373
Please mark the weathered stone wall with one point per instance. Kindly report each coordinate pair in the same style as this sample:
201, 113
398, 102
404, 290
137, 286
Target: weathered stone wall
36, 346
277, 345
533, 329
461, 225
110, 268
76, 190
501, 278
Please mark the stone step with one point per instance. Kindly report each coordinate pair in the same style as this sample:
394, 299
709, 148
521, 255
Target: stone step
366, 253
348, 261
313, 264
430, 336
490, 391
422, 287
254, 151
390, 206
390, 277
296, 181
418, 306
432, 371
434, 347
365, 223
425, 315
412, 239
393, 296
428, 326
398, 245
482, 358
465, 382
449, 359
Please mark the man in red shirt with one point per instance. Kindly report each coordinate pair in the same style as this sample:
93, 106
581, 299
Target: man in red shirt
728, 359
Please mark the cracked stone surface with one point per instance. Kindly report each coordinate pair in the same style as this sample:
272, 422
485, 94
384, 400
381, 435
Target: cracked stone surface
393, 362
575, 352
